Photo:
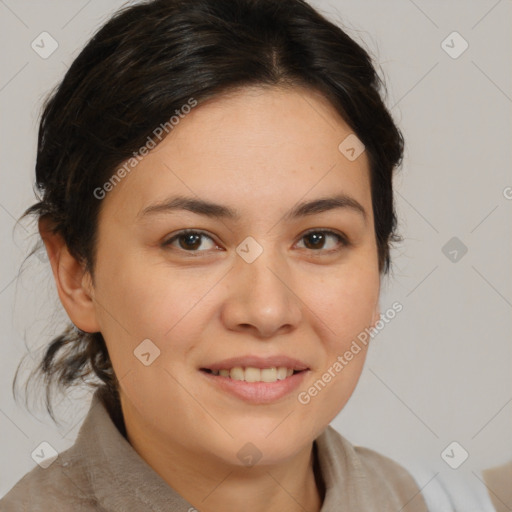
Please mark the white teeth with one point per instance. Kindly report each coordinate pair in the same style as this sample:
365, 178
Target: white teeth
269, 374
237, 373
251, 374
282, 372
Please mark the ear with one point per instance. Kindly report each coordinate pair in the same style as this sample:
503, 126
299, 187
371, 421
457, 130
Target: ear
74, 285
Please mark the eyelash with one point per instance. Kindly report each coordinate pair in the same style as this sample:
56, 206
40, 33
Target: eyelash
342, 240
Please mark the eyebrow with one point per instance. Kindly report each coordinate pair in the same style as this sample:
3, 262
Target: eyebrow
214, 210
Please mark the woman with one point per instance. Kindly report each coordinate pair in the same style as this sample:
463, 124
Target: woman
217, 207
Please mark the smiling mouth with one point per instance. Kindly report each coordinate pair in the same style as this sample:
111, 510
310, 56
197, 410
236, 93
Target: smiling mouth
251, 374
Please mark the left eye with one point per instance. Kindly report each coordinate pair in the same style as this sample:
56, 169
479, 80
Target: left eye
189, 240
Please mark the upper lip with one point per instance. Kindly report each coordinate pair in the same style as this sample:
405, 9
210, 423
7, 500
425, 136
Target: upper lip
258, 362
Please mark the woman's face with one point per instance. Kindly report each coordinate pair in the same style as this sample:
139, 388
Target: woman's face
271, 282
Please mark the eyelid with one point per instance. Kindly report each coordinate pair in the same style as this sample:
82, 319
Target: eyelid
341, 237
339, 234
187, 231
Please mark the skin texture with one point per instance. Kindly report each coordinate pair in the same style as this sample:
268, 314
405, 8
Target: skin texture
260, 151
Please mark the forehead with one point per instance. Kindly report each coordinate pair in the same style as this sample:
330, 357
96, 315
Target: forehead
251, 148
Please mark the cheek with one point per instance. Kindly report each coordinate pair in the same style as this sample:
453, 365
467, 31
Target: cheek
345, 302
139, 299
343, 305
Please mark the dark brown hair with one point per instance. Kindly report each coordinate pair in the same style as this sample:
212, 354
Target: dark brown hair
146, 62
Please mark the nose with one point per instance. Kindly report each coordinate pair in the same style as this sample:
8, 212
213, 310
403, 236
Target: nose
261, 298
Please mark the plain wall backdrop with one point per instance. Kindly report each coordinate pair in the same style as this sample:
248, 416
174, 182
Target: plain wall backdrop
440, 370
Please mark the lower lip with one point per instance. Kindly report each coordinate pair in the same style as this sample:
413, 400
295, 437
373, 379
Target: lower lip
257, 392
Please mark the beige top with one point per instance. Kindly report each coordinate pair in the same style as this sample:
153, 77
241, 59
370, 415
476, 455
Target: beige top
102, 472
499, 482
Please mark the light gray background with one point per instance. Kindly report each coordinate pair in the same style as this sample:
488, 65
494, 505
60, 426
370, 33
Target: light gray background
440, 371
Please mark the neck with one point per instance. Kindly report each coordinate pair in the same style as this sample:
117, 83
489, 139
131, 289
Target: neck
211, 485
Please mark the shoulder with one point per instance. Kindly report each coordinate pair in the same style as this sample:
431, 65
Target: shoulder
385, 473
498, 480
61, 487
381, 477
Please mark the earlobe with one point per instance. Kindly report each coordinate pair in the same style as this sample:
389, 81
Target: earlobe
72, 282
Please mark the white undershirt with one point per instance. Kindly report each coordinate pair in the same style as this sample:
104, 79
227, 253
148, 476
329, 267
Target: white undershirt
451, 490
